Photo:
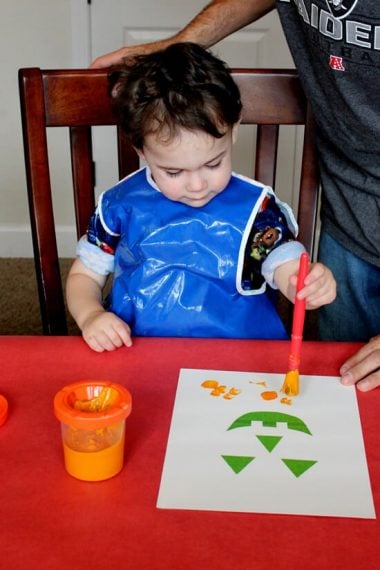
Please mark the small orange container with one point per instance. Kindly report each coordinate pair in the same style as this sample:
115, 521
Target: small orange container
92, 415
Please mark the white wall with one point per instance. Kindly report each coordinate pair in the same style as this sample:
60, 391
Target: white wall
38, 34
53, 34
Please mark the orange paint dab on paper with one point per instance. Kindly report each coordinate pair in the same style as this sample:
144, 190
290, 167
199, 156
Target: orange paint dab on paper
232, 392
269, 395
259, 383
218, 390
210, 384
286, 401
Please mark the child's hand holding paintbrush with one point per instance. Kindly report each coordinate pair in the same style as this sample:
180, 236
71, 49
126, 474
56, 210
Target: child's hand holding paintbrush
291, 383
309, 285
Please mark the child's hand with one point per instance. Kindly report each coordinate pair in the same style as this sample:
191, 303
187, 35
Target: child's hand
319, 286
103, 330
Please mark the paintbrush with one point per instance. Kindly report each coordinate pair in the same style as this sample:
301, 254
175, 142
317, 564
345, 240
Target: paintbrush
291, 383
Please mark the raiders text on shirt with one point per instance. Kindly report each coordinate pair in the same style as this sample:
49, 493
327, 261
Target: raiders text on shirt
334, 23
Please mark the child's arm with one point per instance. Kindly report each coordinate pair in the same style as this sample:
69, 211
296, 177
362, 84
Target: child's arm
102, 330
320, 285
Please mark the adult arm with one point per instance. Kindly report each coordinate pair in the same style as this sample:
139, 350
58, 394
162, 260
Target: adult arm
217, 20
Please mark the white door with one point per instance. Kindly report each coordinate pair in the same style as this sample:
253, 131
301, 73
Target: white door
114, 23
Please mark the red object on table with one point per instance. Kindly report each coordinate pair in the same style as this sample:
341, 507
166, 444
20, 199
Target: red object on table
51, 521
3, 410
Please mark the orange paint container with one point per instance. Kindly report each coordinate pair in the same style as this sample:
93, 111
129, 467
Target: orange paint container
92, 415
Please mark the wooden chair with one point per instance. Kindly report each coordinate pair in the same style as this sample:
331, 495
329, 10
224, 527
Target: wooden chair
78, 100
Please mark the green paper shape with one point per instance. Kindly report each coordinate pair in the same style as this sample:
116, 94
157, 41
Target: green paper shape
269, 441
298, 466
270, 419
237, 462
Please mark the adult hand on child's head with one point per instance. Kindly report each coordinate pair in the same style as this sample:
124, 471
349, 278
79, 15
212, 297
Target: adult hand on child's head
105, 331
127, 52
319, 286
363, 368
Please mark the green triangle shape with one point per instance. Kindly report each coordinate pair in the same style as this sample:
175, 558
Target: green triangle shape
237, 462
298, 466
269, 441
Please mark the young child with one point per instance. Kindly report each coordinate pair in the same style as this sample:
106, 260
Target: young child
195, 250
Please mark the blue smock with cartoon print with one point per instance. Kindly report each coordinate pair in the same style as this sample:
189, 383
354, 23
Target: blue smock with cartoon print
178, 269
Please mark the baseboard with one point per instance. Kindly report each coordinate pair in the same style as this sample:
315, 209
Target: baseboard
16, 241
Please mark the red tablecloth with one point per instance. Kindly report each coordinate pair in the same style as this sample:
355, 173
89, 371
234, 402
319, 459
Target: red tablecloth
50, 520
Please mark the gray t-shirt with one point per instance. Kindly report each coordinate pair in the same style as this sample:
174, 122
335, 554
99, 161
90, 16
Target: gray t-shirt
336, 48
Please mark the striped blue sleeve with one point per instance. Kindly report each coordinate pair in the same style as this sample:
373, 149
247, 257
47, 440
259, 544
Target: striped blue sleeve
94, 257
278, 256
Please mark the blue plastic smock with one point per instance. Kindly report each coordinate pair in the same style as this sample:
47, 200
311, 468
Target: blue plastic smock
179, 270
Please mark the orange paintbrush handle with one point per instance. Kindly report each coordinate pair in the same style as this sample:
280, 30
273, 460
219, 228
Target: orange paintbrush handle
298, 315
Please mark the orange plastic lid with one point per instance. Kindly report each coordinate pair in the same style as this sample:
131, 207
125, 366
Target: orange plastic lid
66, 400
3, 410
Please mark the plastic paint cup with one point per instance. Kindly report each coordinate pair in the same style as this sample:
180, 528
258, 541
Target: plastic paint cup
93, 441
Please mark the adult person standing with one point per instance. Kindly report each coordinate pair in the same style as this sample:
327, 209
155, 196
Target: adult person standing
335, 45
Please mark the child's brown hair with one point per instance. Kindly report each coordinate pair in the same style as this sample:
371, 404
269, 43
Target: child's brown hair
181, 87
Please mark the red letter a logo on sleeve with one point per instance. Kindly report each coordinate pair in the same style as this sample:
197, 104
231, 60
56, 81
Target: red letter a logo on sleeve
336, 63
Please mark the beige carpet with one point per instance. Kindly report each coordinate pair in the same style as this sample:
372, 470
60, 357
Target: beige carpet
19, 306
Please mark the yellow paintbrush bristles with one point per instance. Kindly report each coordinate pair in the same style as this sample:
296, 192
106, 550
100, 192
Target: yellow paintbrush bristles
290, 386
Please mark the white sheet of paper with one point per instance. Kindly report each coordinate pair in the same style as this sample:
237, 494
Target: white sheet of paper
210, 467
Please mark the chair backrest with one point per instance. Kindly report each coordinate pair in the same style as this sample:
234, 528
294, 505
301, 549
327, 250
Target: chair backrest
78, 99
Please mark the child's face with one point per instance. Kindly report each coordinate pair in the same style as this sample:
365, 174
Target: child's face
191, 168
